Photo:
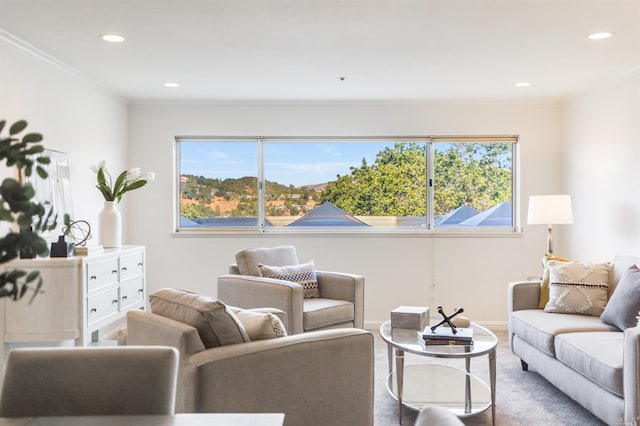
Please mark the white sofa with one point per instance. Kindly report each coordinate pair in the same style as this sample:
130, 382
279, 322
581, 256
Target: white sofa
595, 364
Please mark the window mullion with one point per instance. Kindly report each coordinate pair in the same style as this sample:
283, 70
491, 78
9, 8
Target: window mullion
261, 184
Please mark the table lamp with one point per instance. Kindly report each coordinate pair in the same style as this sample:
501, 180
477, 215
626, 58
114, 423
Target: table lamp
550, 210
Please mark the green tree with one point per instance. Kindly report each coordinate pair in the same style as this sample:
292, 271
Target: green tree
196, 211
474, 174
394, 185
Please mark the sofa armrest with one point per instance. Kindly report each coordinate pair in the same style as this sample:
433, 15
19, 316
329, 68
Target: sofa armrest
146, 328
342, 286
631, 375
523, 295
247, 292
274, 376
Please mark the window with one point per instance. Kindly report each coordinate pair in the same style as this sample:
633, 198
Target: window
345, 184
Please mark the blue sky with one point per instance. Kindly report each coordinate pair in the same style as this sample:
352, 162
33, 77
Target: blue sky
286, 163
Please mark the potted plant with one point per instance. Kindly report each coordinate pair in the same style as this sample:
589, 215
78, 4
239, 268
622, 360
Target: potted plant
21, 219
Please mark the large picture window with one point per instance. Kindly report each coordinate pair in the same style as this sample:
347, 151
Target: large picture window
345, 184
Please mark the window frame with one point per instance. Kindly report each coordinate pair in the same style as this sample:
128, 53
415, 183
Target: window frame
429, 229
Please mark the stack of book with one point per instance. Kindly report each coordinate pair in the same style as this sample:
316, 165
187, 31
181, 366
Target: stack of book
446, 336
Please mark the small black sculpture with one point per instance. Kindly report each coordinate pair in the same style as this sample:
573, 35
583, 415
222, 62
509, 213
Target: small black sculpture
447, 319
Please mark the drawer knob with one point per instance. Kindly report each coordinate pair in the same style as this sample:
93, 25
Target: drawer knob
93, 310
93, 277
114, 271
124, 297
124, 268
141, 290
114, 301
139, 263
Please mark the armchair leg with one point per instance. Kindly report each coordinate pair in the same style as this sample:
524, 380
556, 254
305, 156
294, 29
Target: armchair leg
525, 366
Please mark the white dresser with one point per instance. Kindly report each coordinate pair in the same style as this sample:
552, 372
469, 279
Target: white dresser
79, 296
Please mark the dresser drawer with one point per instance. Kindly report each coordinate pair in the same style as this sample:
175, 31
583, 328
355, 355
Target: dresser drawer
131, 293
101, 305
102, 273
131, 265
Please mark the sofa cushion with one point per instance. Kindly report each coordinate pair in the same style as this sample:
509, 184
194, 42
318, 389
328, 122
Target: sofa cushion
260, 325
540, 328
578, 287
595, 355
320, 313
216, 324
544, 284
622, 308
303, 274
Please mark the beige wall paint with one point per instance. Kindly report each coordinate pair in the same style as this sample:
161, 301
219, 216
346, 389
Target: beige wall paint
601, 163
88, 123
73, 115
400, 270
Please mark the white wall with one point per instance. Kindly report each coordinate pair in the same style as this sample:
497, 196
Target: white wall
88, 123
400, 270
601, 152
73, 116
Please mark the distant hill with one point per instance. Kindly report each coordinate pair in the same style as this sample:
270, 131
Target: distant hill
319, 187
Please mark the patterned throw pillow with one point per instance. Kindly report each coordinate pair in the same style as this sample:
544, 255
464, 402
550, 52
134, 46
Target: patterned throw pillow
577, 288
303, 274
544, 284
260, 325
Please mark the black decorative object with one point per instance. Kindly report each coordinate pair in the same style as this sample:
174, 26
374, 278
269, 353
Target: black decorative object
62, 248
26, 251
447, 319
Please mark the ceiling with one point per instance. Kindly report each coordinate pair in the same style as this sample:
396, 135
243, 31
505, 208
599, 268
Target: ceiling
287, 50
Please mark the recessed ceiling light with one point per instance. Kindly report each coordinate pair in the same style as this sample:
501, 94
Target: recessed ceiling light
171, 84
600, 36
112, 38
522, 84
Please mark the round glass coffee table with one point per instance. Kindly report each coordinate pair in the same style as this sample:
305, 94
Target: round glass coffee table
417, 386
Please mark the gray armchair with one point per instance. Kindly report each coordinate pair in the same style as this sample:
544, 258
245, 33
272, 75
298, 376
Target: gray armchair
341, 301
315, 379
90, 381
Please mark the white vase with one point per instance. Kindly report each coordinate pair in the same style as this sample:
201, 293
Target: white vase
110, 225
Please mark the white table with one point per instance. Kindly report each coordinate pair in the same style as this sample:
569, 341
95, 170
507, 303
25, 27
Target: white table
458, 390
194, 419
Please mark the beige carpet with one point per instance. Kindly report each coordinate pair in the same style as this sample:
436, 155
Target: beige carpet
522, 398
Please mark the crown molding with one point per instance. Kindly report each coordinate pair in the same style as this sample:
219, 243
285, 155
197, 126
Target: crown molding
37, 54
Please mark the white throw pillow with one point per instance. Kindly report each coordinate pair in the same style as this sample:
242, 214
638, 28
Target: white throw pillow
577, 287
260, 325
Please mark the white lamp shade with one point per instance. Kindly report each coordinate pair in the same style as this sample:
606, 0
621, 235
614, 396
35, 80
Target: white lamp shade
550, 210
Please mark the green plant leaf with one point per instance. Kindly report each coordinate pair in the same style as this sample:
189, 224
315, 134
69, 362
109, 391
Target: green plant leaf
17, 127
32, 138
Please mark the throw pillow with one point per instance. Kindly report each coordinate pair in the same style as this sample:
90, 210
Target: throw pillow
622, 308
577, 287
303, 274
260, 325
216, 324
544, 284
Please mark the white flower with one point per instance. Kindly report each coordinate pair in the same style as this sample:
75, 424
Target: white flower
100, 165
150, 176
134, 174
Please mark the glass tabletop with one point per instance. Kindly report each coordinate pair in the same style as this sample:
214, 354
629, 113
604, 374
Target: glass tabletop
410, 340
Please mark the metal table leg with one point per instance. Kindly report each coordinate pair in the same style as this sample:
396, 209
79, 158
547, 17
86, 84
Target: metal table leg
492, 384
399, 380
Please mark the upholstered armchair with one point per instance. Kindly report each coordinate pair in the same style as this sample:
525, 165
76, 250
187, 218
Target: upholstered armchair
318, 378
341, 295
